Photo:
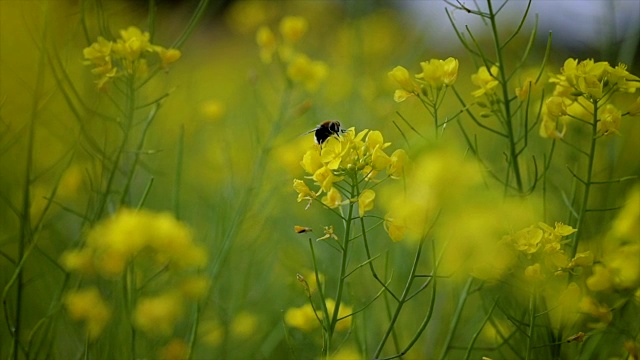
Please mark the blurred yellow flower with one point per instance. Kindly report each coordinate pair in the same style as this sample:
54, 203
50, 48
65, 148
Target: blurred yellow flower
600, 280
244, 325
344, 324
267, 42
213, 109
112, 243
365, 201
302, 318
158, 315
167, 56
309, 73
194, 287
126, 55
609, 121
175, 349
88, 305
399, 160
210, 332
394, 228
527, 240
533, 273
487, 81
556, 106
293, 28
591, 307
80, 260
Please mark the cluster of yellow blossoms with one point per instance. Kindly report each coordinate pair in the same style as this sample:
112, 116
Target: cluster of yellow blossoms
156, 243
127, 56
299, 67
346, 157
542, 245
580, 86
435, 74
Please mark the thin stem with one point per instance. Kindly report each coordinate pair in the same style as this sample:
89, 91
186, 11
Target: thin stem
587, 181
513, 156
456, 318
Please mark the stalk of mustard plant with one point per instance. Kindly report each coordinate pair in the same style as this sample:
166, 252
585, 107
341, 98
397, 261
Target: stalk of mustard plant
344, 168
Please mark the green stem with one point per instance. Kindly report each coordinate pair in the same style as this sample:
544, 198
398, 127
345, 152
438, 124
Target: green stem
513, 151
343, 269
532, 318
587, 180
456, 318
403, 299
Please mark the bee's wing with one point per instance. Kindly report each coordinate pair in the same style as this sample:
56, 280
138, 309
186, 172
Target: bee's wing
309, 132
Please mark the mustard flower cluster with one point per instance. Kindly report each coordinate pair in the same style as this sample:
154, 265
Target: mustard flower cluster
542, 247
579, 87
126, 56
299, 67
155, 242
347, 157
434, 76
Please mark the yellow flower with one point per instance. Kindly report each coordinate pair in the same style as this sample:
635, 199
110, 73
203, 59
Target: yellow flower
401, 76
117, 240
407, 87
304, 193
437, 72
609, 121
533, 273
581, 259
485, 80
78, 260
600, 280
344, 324
293, 28
87, 305
394, 228
332, 152
158, 315
556, 106
131, 45
329, 233
195, 287
333, 199
527, 240
399, 160
310, 73
528, 86
311, 161
267, 42
167, 56
590, 306
302, 318
244, 325
624, 265
365, 201
213, 109
450, 71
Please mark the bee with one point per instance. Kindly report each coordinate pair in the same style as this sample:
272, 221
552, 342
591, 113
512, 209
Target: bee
326, 130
